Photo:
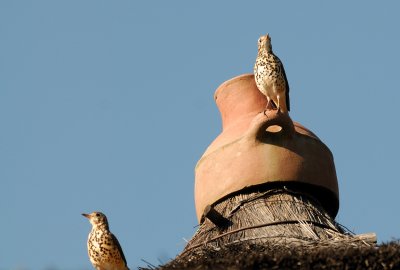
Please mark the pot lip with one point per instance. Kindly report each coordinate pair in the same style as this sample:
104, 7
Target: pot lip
231, 81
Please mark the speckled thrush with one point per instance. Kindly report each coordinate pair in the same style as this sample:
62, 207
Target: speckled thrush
104, 250
270, 76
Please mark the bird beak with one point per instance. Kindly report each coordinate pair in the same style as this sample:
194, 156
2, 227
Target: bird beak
86, 215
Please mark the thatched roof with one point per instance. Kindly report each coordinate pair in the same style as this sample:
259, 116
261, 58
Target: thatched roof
316, 241
250, 256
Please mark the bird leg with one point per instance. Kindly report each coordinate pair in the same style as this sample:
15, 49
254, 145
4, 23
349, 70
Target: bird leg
268, 107
281, 106
271, 106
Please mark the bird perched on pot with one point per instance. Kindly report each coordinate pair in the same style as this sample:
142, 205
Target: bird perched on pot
104, 250
270, 76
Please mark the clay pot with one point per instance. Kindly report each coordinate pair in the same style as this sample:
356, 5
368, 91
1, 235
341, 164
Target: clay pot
258, 147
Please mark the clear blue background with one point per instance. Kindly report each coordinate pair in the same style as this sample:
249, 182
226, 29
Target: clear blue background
107, 105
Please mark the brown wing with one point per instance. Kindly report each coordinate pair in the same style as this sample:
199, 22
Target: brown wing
287, 89
286, 82
115, 240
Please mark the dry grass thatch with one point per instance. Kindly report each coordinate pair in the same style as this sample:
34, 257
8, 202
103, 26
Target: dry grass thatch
267, 229
281, 217
242, 256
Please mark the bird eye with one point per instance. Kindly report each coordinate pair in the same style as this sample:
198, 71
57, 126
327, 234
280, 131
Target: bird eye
97, 214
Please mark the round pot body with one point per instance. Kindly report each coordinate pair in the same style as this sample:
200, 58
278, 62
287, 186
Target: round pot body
259, 146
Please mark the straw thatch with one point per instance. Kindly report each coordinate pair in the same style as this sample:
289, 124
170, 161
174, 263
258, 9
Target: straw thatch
267, 224
279, 216
242, 256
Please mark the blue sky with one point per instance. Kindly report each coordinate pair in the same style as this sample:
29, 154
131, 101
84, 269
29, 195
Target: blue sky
108, 105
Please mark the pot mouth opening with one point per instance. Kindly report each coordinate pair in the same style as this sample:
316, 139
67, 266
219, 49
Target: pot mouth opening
231, 81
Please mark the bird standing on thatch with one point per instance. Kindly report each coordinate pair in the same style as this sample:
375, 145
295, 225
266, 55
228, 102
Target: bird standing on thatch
104, 250
270, 76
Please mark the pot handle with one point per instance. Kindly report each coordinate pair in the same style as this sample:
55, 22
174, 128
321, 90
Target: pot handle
268, 118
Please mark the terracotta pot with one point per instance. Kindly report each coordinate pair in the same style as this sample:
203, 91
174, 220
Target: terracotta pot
257, 147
